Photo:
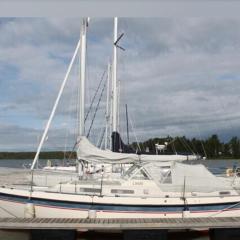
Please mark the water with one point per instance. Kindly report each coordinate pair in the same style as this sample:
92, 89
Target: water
215, 166
186, 235
22, 163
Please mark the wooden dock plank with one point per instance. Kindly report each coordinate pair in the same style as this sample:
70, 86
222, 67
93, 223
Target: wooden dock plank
118, 224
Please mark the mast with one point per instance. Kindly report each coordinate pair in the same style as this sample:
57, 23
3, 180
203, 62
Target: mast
114, 77
83, 37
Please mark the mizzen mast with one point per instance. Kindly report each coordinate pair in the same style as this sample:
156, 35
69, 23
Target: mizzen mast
83, 40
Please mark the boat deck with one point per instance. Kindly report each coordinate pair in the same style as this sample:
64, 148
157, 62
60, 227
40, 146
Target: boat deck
118, 224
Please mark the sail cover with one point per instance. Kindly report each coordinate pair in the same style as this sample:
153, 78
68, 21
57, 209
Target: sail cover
191, 178
197, 178
88, 152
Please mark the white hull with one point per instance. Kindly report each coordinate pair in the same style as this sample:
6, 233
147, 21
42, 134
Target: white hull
18, 210
57, 205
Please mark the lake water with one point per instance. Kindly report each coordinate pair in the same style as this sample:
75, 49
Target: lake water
215, 166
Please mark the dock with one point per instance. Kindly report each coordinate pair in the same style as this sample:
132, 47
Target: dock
118, 224
224, 228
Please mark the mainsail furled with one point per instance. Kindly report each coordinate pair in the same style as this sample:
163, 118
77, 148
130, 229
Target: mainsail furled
88, 152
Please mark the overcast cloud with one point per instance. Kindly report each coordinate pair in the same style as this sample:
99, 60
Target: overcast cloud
178, 77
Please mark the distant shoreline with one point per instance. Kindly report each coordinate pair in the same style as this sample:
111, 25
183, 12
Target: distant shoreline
43, 155
211, 147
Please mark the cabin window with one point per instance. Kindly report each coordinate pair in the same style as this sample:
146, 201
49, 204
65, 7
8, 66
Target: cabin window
145, 191
130, 171
90, 190
165, 167
224, 193
141, 175
122, 191
166, 177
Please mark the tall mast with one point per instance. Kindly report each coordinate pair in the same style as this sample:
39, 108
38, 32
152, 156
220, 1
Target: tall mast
83, 37
114, 77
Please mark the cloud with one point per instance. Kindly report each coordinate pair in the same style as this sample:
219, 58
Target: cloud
178, 76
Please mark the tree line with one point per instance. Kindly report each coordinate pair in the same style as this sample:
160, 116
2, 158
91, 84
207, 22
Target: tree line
211, 148
43, 155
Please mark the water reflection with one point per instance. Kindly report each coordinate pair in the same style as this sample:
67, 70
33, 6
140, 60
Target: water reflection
26, 235
173, 235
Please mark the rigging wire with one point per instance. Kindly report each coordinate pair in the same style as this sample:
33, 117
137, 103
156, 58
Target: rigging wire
173, 147
100, 139
50, 140
204, 150
96, 92
134, 133
72, 97
88, 85
76, 111
76, 124
186, 145
195, 151
77, 104
96, 109
72, 151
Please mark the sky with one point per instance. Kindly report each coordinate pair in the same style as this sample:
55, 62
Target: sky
177, 76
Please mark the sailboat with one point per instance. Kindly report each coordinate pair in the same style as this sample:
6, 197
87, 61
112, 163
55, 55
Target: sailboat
116, 142
154, 186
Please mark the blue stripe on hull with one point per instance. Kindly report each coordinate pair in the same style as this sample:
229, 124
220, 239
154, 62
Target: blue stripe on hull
119, 208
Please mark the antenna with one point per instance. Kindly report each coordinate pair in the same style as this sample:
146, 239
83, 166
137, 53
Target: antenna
118, 39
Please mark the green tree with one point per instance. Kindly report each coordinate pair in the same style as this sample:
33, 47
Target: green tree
213, 146
235, 147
